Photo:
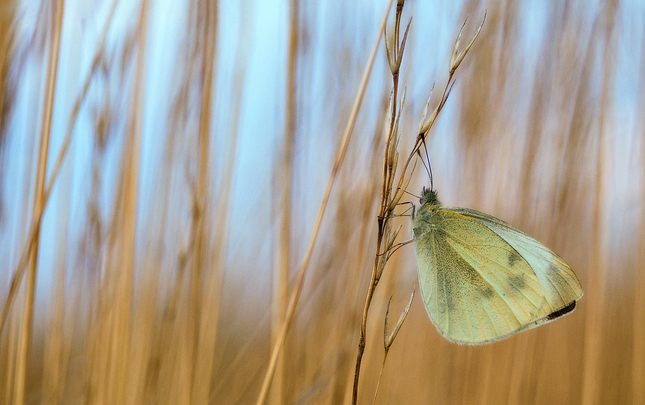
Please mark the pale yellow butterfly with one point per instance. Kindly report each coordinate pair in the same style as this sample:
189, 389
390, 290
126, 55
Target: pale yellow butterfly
483, 280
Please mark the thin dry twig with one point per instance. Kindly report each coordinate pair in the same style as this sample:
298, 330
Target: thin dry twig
385, 215
390, 196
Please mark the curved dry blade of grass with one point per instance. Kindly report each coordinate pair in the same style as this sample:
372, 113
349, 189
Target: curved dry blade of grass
293, 301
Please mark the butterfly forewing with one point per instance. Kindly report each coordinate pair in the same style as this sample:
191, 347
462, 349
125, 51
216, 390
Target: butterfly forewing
559, 283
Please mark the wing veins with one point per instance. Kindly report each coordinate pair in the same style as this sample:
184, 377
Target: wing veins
554, 258
500, 282
504, 299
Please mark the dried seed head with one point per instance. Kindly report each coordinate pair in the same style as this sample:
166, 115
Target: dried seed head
458, 57
389, 339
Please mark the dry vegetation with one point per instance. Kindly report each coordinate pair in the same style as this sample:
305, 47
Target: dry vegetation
177, 275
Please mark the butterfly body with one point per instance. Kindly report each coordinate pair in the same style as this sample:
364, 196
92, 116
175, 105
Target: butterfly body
483, 280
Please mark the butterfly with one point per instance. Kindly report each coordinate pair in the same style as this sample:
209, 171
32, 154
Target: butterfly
483, 280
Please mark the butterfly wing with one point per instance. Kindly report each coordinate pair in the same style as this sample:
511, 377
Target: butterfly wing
559, 283
483, 280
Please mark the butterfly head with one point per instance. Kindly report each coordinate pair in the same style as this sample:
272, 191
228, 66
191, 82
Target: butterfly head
429, 199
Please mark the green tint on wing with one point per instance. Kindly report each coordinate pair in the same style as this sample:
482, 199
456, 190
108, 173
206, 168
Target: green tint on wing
559, 283
475, 286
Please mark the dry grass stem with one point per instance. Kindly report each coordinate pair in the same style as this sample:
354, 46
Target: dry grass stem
283, 192
638, 367
118, 376
390, 196
26, 324
293, 301
598, 271
206, 308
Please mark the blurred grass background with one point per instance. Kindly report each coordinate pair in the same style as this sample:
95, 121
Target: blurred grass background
186, 197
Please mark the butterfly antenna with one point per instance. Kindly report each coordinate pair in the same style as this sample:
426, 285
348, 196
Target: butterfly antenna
429, 166
425, 166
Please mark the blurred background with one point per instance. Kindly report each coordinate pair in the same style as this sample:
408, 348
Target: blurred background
162, 164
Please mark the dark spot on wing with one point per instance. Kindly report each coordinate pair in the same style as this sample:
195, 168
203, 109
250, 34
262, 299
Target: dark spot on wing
553, 270
488, 292
516, 282
513, 257
562, 311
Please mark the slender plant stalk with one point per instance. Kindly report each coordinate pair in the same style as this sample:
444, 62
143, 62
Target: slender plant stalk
207, 327
593, 322
38, 205
284, 194
395, 56
120, 334
638, 366
390, 197
200, 211
598, 275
